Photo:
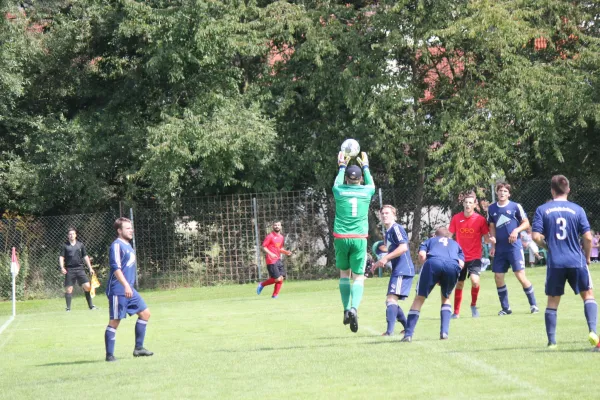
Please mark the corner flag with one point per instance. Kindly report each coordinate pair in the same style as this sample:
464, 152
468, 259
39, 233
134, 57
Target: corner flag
14, 263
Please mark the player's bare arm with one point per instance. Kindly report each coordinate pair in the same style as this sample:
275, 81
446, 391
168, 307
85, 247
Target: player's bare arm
89, 264
286, 252
269, 252
401, 249
539, 239
514, 235
61, 262
492, 236
587, 246
121, 278
422, 256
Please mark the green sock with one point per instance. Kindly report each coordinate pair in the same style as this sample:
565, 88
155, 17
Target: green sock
357, 292
345, 292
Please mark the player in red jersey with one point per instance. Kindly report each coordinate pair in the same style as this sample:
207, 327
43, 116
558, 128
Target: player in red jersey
468, 228
273, 247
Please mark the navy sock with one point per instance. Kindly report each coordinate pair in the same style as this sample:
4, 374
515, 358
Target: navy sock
68, 297
551, 325
390, 316
411, 322
591, 313
140, 332
530, 295
503, 296
445, 314
400, 317
109, 340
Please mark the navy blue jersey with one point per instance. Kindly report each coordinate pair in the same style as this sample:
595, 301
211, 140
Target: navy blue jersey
394, 237
561, 223
506, 218
121, 257
443, 248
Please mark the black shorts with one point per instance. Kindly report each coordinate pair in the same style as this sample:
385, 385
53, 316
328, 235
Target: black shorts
473, 267
276, 270
76, 275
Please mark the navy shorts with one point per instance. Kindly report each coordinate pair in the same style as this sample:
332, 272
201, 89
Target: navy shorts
514, 258
400, 286
276, 270
434, 271
120, 306
75, 276
579, 279
472, 267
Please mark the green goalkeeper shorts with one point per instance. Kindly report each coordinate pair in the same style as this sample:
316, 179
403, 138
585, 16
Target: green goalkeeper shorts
351, 253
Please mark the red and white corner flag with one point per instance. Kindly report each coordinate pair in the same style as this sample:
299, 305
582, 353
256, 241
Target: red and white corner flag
14, 263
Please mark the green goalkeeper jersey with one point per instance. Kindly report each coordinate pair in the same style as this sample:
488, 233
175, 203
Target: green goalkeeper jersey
352, 206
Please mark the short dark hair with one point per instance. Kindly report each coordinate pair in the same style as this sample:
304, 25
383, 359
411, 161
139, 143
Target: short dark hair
470, 195
71, 229
560, 184
441, 231
119, 223
502, 185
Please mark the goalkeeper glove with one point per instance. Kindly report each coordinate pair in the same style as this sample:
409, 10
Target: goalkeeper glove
343, 160
363, 160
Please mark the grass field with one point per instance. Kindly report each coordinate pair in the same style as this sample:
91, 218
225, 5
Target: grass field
228, 343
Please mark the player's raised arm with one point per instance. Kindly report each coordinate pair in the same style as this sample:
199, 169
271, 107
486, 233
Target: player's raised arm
342, 164
363, 161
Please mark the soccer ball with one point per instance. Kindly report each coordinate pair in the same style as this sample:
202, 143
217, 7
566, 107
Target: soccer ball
350, 147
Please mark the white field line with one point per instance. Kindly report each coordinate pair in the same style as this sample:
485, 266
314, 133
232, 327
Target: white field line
498, 373
6, 324
10, 335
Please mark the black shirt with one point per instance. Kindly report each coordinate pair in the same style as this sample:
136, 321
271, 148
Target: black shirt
73, 255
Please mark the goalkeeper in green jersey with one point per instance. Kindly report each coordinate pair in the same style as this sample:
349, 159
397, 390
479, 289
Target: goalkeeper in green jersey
350, 231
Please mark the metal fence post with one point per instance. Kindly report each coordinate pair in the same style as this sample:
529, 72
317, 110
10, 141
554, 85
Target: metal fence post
255, 211
137, 285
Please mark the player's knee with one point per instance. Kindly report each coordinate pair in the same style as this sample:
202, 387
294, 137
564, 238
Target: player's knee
114, 323
460, 285
69, 289
280, 279
145, 315
86, 287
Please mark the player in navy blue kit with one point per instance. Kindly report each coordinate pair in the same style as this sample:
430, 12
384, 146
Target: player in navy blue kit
123, 299
507, 220
558, 225
403, 269
444, 259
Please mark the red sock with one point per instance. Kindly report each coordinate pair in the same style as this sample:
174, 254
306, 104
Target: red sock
268, 282
474, 294
278, 286
457, 300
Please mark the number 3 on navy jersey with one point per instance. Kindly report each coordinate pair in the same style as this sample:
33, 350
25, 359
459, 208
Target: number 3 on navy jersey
354, 202
562, 225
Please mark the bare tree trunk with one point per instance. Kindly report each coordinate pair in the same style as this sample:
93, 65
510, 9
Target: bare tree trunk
415, 239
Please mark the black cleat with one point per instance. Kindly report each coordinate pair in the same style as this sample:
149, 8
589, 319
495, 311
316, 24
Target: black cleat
505, 312
142, 352
406, 339
110, 358
94, 308
67, 309
353, 320
346, 317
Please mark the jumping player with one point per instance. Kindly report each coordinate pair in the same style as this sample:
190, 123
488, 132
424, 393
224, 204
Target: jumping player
506, 221
403, 269
273, 247
123, 299
469, 228
558, 225
350, 231
443, 260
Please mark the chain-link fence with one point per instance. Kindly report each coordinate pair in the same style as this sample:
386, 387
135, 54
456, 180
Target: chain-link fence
217, 240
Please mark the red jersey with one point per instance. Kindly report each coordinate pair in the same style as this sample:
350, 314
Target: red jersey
468, 233
274, 243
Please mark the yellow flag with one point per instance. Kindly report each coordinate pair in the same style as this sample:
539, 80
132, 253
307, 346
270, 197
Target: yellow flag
95, 283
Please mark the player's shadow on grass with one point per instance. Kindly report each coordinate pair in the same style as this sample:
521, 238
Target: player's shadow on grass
58, 364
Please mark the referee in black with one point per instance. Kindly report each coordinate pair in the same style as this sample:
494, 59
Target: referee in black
71, 261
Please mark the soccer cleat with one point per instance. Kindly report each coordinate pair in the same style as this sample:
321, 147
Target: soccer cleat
455, 316
552, 346
474, 312
593, 338
346, 317
406, 339
67, 309
443, 336
353, 320
259, 288
505, 312
534, 309
110, 358
94, 308
142, 352
274, 296
385, 334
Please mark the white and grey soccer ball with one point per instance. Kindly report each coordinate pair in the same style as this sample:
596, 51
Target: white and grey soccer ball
350, 148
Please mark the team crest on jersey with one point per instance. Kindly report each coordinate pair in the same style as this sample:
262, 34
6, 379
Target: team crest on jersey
508, 212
